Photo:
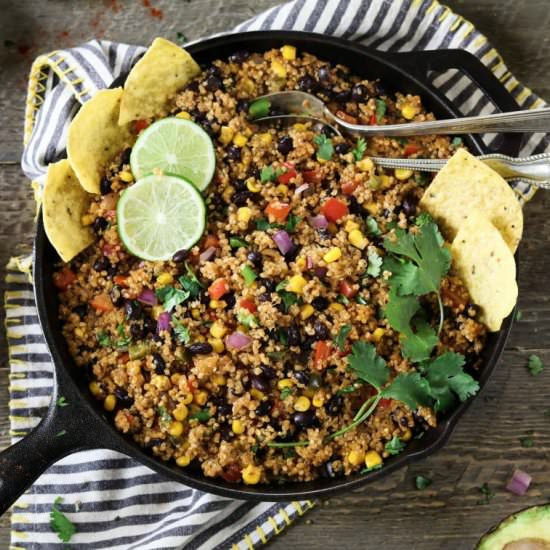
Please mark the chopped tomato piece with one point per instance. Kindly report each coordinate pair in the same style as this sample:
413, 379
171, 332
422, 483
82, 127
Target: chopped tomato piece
124, 357
62, 279
322, 353
349, 187
348, 118
384, 403
334, 209
285, 177
232, 473
410, 149
140, 125
312, 176
277, 211
210, 240
218, 288
347, 289
249, 305
102, 302
121, 280
373, 121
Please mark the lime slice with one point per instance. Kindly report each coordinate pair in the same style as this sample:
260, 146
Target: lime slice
159, 215
175, 146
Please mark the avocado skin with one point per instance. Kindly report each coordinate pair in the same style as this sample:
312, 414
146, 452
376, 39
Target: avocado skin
528, 529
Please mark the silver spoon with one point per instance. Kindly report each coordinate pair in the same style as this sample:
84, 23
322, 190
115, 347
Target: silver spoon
304, 104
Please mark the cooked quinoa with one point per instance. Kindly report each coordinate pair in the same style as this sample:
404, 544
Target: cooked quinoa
185, 392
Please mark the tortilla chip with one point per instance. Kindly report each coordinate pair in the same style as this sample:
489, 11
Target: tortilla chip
95, 138
155, 78
484, 262
63, 204
467, 184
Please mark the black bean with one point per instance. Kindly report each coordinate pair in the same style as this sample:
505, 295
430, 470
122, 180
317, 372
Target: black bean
226, 433
321, 330
116, 296
305, 419
379, 89
223, 408
265, 297
193, 86
253, 172
323, 74
122, 398
206, 125
294, 337
269, 284
180, 256
159, 363
330, 469
264, 408
125, 155
199, 348
260, 382
111, 270
133, 309
355, 207
239, 57
292, 254
268, 372
213, 70
233, 152
81, 310
105, 185
101, 264
204, 297
307, 344
149, 325
324, 233
307, 83
243, 105
315, 381
285, 145
334, 405
155, 442
320, 303
100, 224
301, 377
213, 83
342, 97
229, 300
341, 148
255, 258
409, 205
239, 184
359, 93
137, 331
404, 421
197, 115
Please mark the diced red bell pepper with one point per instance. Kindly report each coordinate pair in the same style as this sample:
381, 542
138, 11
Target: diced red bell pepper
334, 209
218, 288
347, 289
322, 353
192, 385
277, 211
384, 403
121, 280
232, 473
312, 176
140, 125
349, 187
249, 305
102, 302
62, 279
285, 177
373, 121
410, 149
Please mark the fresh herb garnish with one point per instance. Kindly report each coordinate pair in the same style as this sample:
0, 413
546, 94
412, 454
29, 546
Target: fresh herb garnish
103, 339
249, 275
268, 173
375, 263
171, 296
259, 108
381, 109
519, 315
456, 142
62, 402
372, 226
60, 523
361, 299
285, 392
181, 331
422, 482
282, 285
535, 365
527, 442
263, 225
395, 446
202, 416
360, 148
283, 444
288, 298
181, 38
276, 355
237, 242
348, 389
325, 149
291, 223
124, 340
421, 178
61, 433
372, 468
340, 339
488, 495
247, 319
164, 415
190, 283
341, 299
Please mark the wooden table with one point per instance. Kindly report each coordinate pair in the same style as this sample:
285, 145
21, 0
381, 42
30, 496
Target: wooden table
486, 447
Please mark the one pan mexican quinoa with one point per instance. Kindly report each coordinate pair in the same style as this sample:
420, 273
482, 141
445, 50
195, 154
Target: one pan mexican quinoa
234, 355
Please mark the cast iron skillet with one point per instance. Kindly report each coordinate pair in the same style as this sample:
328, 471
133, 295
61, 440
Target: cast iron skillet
87, 426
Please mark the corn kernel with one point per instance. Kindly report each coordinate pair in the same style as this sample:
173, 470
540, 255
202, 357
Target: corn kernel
372, 208
219, 380
409, 111
180, 412
228, 192
217, 345
78, 332
240, 140
165, 279
336, 307
332, 255
175, 378
300, 127
403, 173
237, 427
357, 239
386, 181
296, 284
161, 381
278, 69
110, 403
226, 134
253, 186
183, 461
200, 397
350, 226
87, 219
218, 330
306, 311
156, 311
289, 52
355, 458
94, 388
175, 429
301, 263
257, 394
285, 383
187, 399
372, 459
217, 304
377, 334
365, 165
282, 189
126, 176
407, 435
266, 138
318, 400
196, 314
244, 214
248, 86
251, 474
302, 404
184, 114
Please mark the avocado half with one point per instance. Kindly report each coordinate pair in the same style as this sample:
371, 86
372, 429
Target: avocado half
528, 529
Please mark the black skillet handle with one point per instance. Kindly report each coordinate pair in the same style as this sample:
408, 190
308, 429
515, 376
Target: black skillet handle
420, 63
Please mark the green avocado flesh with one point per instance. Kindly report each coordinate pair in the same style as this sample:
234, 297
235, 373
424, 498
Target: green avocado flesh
525, 530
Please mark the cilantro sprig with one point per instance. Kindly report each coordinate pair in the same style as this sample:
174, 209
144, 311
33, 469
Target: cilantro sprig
60, 523
360, 148
325, 149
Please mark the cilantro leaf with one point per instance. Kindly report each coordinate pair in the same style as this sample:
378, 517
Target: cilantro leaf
62, 402
409, 388
202, 416
422, 482
164, 415
237, 242
360, 148
488, 495
171, 297
190, 283
400, 310
535, 365
367, 365
181, 38
181, 331
285, 392
417, 344
340, 339
395, 446
372, 226
288, 298
263, 225
60, 523
375, 263
268, 173
404, 275
325, 149
381, 109
247, 319
291, 223
103, 339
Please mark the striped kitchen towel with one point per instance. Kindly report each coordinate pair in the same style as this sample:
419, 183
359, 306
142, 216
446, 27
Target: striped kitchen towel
122, 504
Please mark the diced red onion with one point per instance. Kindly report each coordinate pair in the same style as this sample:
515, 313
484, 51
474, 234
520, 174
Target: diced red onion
320, 271
147, 297
208, 254
301, 188
318, 222
237, 340
309, 262
163, 322
283, 241
519, 483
